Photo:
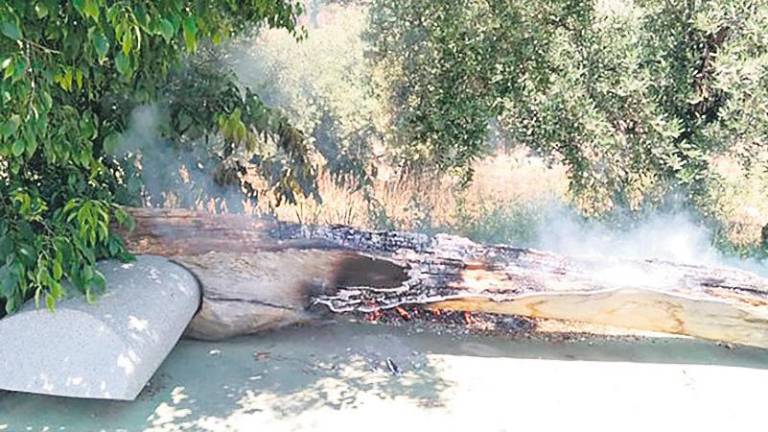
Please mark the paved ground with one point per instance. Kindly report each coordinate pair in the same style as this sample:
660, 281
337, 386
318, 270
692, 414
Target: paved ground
336, 378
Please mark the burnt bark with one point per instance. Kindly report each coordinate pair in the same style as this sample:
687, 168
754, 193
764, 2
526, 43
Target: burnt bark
258, 274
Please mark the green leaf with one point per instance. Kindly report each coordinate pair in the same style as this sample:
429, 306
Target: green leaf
30, 145
91, 9
12, 303
11, 29
99, 281
8, 281
19, 68
100, 44
89, 298
217, 38
79, 5
87, 274
85, 158
123, 64
127, 43
57, 270
166, 30
6, 246
46, 99
27, 254
190, 33
10, 126
111, 142
64, 78
18, 147
41, 10
56, 289
50, 302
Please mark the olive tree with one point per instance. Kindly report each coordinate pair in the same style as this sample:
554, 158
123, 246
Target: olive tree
634, 97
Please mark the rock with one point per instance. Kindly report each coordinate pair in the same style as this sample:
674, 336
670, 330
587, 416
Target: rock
109, 349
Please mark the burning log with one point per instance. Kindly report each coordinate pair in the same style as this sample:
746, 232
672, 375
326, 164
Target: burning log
257, 275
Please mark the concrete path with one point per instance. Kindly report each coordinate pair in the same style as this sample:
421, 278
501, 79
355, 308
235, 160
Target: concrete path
336, 378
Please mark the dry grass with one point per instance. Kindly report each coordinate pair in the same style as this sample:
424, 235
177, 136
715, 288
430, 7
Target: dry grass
505, 201
741, 201
511, 179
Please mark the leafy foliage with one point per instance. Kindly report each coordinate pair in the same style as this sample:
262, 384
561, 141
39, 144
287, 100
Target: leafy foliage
634, 97
110, 102
209, 141
71, 74
323, 84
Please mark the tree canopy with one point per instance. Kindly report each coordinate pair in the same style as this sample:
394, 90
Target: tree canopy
106, 103
72, 73
634, 97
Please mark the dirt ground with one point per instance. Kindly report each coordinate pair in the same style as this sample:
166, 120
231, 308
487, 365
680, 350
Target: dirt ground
351, 377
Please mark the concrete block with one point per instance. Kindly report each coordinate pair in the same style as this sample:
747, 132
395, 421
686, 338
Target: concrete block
106, 350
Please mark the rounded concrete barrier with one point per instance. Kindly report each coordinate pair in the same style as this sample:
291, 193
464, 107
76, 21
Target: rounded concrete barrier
108, 349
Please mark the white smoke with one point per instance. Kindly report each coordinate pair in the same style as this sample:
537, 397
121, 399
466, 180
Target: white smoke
673, 237
677, 236
172, 175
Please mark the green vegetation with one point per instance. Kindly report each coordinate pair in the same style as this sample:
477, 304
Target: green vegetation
72, 72
631, 99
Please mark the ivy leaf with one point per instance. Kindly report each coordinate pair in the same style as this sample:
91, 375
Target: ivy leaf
11, 30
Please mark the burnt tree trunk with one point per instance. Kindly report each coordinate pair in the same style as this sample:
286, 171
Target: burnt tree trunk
257, 275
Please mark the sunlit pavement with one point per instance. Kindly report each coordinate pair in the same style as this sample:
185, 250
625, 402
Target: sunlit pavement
337, 378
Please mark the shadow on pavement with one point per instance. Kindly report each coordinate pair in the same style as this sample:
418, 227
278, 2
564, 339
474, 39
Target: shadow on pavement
204, 385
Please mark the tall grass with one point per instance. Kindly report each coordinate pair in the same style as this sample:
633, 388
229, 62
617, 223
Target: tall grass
510, 200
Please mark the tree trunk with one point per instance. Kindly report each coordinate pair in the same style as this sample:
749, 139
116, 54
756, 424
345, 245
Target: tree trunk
257, 275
